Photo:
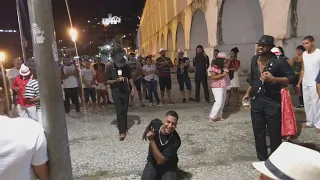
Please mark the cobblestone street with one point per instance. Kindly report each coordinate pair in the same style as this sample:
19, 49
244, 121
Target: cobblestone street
220, 151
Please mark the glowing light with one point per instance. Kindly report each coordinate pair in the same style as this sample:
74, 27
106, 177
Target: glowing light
2, 56
73, 34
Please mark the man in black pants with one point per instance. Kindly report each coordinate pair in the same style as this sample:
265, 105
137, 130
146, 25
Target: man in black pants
201, 63
164, 142
183, 64
268, 73
118, 75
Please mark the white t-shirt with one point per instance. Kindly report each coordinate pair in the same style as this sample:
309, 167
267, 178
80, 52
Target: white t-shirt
311, 64
71, 81
87, 77
150, 76
22, 144
13, 73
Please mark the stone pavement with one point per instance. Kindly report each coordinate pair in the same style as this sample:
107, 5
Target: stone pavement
220, 151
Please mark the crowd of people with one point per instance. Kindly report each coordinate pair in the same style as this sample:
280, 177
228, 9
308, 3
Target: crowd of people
271, 72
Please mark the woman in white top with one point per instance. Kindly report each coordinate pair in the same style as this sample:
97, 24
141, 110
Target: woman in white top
149, 71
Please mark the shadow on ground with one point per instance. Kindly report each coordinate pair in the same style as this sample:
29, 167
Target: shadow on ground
131, 121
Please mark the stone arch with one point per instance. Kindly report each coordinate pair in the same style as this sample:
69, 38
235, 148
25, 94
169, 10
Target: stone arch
308, 13
170, 41
180, 40
198, 30
162, 41
242, 29
158, 44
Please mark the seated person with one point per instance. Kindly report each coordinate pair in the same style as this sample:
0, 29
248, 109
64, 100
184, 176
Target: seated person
164, 142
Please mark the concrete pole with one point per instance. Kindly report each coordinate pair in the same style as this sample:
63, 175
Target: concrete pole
53, 114
22, 39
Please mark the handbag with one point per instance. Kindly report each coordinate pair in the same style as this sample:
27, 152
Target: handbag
289, 124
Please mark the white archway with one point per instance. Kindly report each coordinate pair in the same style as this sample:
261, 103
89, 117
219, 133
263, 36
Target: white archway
199, 30
241, 26
158, 44
180, 41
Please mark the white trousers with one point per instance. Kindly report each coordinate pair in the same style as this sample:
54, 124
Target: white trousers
311, 105
27, 112
39, 114
220, 99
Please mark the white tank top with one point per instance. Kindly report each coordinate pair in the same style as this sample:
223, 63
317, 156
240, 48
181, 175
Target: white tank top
311, 64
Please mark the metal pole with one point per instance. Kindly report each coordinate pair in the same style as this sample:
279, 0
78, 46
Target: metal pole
53, 114
24, 53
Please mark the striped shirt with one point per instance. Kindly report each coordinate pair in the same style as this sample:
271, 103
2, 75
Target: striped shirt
165, 68
32, 91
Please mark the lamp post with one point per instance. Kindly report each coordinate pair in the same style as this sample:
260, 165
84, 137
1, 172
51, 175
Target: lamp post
6, 90
74, 35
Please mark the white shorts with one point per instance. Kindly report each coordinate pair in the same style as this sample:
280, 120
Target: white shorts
27, 112
101, 86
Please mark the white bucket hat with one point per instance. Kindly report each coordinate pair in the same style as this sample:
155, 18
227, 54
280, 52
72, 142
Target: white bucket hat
291, 162
162, 49
24, 70
276, 51
222, 55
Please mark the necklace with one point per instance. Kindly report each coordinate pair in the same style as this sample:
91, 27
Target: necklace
163, 144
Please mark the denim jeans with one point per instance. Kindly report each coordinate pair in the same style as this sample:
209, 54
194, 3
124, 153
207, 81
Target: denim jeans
153, 89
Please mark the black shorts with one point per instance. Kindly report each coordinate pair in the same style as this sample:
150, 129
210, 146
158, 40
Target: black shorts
137, 83
165, 82
89, 93
184, 80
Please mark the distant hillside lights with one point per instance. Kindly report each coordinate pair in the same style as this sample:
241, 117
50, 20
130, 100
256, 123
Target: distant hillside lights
7, 31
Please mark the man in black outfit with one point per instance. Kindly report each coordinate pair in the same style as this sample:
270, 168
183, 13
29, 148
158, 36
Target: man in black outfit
201, 63
268, 73
164, 142
118, 75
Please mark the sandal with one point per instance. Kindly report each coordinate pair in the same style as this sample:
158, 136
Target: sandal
213, 120
122, 137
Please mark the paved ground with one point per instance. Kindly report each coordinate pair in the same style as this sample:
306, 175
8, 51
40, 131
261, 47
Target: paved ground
221, 151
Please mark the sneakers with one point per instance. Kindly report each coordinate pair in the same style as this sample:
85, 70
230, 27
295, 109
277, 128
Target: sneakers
160, 104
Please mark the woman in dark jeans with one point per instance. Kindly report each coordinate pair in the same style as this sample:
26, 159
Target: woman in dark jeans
149, 71
296, 64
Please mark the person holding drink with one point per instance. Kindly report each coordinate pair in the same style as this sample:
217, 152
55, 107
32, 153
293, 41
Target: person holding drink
118, 76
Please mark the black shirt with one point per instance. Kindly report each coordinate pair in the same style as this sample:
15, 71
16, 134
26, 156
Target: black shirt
279, 68
169, 150
185, 69
201, 63
112, 74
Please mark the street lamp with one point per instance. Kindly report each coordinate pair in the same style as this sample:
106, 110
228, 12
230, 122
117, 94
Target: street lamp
2, 56
73, 34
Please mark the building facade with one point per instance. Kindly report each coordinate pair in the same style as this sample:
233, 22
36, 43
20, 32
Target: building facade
224, 24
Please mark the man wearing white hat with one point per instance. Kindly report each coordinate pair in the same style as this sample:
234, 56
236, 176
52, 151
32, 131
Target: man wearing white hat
164, 65
290, 162
19, 86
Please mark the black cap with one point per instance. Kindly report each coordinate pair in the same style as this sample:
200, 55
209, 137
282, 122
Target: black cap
266, 40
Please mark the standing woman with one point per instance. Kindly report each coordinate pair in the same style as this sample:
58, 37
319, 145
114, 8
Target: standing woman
233, 65
296, 64
151, 78
220, 82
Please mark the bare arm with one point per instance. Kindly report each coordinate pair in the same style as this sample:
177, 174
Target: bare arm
248, 90
215, 76
41, 171
301, 75
156, 153
318, 89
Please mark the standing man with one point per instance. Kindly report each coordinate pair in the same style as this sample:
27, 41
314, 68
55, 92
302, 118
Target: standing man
308, 74
268, 73
164, 65
215, 54
69, 75
118, 76
164, 142
24, 109
136, 72
14, 72
88, 77
183, 64
201, 63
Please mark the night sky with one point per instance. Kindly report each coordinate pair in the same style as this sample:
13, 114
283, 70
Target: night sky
81, 12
